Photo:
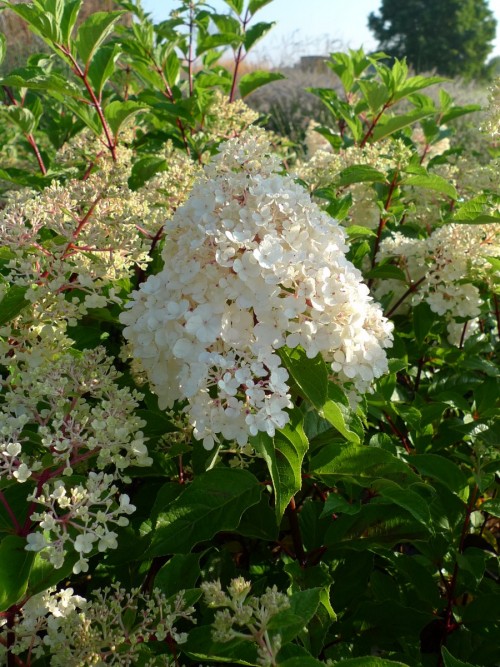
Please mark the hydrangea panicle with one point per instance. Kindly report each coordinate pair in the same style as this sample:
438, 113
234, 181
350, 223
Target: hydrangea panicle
251, 265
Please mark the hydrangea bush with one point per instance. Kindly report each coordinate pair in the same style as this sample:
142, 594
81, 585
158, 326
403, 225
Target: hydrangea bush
248, 405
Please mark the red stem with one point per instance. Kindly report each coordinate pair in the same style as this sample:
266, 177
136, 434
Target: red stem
374, 123
81, 74
238, 59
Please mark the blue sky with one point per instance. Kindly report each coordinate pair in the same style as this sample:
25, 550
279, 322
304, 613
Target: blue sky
309, 27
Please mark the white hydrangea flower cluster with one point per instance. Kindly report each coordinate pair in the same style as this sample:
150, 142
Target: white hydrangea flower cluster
251, 265
74, 631
250, 614
447, 263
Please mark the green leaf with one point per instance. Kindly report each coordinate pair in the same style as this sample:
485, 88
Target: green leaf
21, 117
290, 622
310, 375
182, 571
492, 506
255, 33
362, 465
144, 168
172, 68
359, 173
443, 469
384, 129
432, 182
423, 319
102, 66
255, 5
200, 646
213, 502
479, 220
284, 456
450, 661
15, 566
387, 271
117, 113
13, 303
409, 500
43, 575
415, 83
93, 32
68, 19
250, 82
235, 5
3, 46
334, 413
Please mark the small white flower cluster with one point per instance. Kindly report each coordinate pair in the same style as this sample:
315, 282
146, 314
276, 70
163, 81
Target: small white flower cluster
78, 408
492, 124
250, 614
80, 517
323, 167
71, 243
251, 265
448, 262
110, 629
81, 416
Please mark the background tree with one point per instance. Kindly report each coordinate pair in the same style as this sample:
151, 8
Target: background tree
453, 37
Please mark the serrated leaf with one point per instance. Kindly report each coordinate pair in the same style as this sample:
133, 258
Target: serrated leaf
443, 469
235, 5
284, 455
102, 67
13, 303
360, 464
144, 168
360, 174
92, 33
407, 499
291, 621
117, 113
432, 182
213, 502
69, 18
255, 5
398, 123
333, 412
250, 82
310, 375
492, 506
255, 33
479, 220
